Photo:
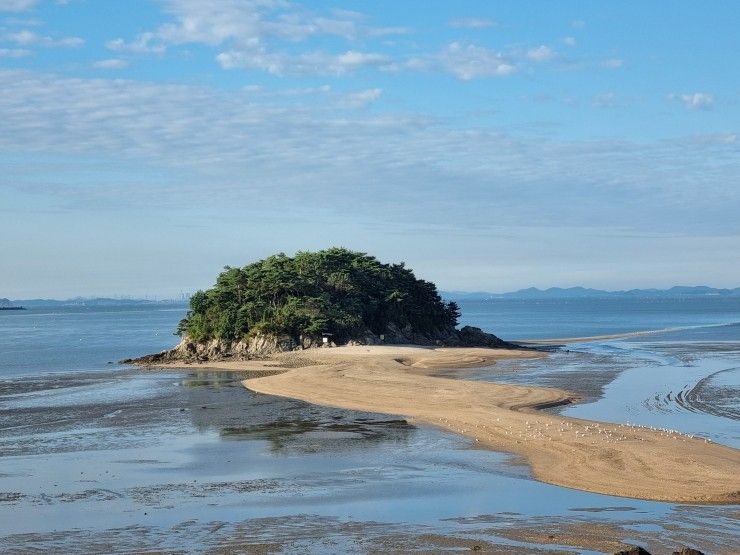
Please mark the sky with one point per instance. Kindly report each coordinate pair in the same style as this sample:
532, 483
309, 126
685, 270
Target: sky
490, 145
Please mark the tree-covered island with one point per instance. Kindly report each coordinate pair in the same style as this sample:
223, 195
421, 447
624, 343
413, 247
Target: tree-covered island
334, 296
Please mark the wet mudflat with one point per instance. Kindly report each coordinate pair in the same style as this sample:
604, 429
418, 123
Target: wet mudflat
191, 462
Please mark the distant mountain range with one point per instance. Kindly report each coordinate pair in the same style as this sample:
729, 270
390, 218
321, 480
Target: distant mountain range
529, 293
83, 301
586, 293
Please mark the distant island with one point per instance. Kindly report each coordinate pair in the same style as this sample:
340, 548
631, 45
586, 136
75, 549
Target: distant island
588, 293
330, 297
5, 304
679, 291
95, 302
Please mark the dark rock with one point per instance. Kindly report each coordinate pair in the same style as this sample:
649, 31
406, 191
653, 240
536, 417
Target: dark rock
476, 337
688, 551
635, 550
263, 345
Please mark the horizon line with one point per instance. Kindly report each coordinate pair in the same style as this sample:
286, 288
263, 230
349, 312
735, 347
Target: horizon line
184, 297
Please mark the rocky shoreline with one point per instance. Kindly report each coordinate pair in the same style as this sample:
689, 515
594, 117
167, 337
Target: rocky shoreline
265, 345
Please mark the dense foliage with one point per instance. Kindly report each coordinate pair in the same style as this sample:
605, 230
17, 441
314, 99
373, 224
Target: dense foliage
335, 291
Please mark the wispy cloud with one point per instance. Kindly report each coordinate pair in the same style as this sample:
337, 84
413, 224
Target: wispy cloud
203, 138
14, 52
29, 38
541, 53
17, 5
612, 99
323, 97
313, 63
466, 61
111, 63
273, 36
694, 101
240, 30
145, 43
471, 23
388, 31
360, 99
469, 61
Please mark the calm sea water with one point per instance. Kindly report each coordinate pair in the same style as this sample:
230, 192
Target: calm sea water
79, 338
557, 318
96, 457
82, 338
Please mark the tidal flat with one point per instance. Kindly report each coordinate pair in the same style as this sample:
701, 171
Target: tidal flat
98, 458
141, 461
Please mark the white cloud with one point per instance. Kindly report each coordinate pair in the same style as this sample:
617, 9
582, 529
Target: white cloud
246, 23
352, 58
695, 101
578, 24
247, 35
242, 29
311, 63
471, 23
540, 54
17, 5
220, 21
145, 43
21, 37
360, 99
111, 63
297, 27
14, 52
29, 38
569, 41
388, 31
323, 97
300, 91
468, 61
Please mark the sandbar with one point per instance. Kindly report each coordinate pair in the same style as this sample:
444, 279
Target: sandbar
612, 459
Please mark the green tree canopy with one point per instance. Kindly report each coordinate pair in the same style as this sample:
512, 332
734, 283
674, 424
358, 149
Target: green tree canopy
337, 291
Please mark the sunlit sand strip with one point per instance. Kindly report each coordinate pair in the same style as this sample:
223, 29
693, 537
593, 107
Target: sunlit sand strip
625, 335
590, 338
619, 460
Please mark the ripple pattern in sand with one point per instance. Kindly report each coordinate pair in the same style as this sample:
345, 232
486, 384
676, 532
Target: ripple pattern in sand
717, 394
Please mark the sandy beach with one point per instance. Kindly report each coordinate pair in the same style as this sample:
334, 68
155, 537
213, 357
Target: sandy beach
612, 459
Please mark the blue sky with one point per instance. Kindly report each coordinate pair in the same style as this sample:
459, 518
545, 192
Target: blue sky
490, 145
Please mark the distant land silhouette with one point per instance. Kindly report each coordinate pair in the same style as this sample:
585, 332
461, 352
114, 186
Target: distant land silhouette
586, 293
5, 304
528, 293
92, 301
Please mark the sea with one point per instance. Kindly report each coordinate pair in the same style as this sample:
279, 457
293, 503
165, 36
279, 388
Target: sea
101, 457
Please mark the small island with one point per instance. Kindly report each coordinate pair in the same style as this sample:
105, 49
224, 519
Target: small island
6, 304
316, 299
